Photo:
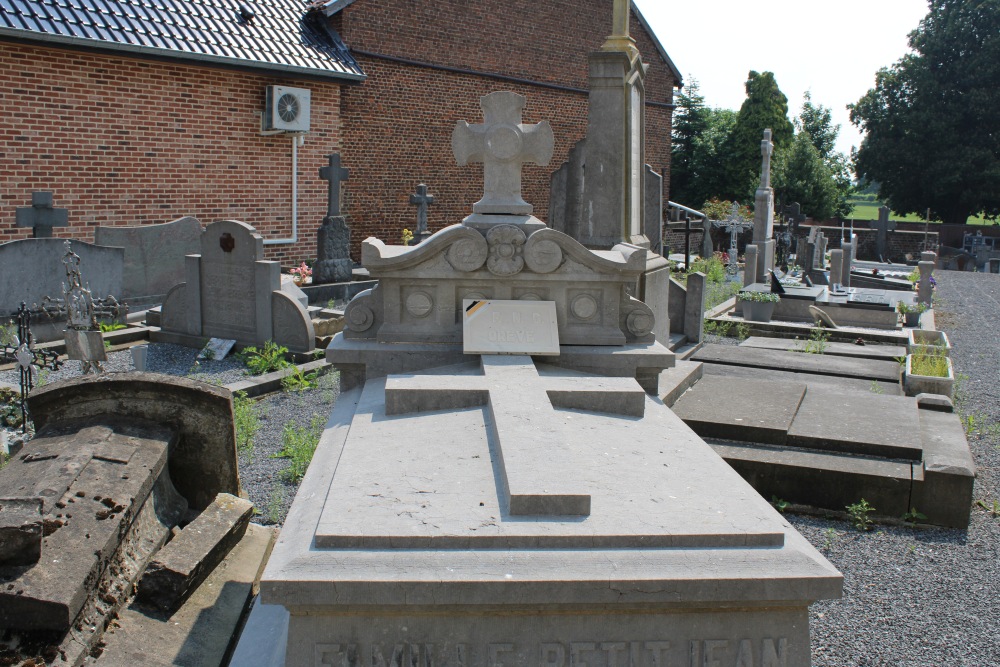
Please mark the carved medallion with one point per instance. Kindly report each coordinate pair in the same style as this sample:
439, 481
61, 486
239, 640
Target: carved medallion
506, 250
419, 304
544, 256
640, 323
584, 307
468, 254
359, 316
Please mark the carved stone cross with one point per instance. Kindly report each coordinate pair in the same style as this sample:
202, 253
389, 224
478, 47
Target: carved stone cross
734, 224
336, 175
422, 200
502, 144
533, 445
41, 216
766, 149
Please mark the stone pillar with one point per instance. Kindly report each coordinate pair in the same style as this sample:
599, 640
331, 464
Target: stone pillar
845, 277
836, 266
926, 265
749, 272
694, 308
821, 242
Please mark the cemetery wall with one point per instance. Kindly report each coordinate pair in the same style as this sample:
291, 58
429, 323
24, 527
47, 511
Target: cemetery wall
124, 141
397, 125
901, 241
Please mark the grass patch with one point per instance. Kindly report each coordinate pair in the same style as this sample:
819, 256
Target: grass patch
866, 208
298, 443
929, 361
246, 413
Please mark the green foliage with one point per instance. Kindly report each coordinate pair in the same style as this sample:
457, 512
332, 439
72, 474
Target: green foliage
759, 297
904, 308
830, 535
246, 414
800, 175
10, 408
993, 509
299, 380
875, 387
914, 516
818, 339
779, 504
717, 328
929, 361
8, 334
268, 359
697, 170
275, 503
107, 327
859, 512
298, 443
930, 123
765, 107
713, 268
817, 122
742, 331
721, 209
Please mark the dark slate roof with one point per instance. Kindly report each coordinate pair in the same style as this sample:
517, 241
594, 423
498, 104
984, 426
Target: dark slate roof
283, 35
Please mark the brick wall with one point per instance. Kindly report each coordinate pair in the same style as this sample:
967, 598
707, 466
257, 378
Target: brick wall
397, 125
123, 141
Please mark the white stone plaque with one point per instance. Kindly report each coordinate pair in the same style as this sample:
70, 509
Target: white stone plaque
217, 349
509, 327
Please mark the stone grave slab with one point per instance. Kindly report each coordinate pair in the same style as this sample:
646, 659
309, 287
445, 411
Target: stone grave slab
874, 425
810, 380
817, 364
153, 256
718, 407
880, 352
509, 327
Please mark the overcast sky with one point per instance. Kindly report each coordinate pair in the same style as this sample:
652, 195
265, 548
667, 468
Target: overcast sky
833, 49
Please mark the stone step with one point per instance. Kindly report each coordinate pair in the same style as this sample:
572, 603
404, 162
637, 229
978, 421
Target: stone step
880, 352
675, 381
843, 384
817, 364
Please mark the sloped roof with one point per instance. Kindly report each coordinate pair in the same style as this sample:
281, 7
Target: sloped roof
278, 35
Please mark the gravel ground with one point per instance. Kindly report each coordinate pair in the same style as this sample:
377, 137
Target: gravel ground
927, 596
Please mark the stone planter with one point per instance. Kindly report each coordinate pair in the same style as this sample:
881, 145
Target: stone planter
922, 340
928, 384
756, 311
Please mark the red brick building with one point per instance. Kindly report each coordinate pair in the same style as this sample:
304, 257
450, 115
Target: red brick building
141, 115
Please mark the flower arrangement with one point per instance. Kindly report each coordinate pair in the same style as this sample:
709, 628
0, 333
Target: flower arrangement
407, 236
904, 308
300, 273
759, 297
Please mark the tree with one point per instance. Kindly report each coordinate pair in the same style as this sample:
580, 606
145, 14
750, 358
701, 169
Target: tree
765, 107
802, 176
817, 122
697, 164
932, 121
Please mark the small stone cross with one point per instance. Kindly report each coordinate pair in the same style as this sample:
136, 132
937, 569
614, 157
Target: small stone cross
734, 224
502, 144
41, 216
766, 149
336, 175
22, 351
422, 200
534, 447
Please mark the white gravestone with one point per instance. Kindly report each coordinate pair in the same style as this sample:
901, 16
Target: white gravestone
509, 327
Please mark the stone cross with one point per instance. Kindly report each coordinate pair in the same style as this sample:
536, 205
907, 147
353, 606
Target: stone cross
335, 175
422, 200
502, 144
925, 289
41, 216
883, 227
734, 224
620, 38
766, 149
533, 446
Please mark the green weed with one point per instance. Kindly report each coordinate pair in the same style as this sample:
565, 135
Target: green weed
298, 443
300, 380
875, 387
929, 361
718, 328
246, 417
267, 359
8, 334
110, 326
779, 504
830, 537
818, 339
275, 503
913, 516
742, 331
859, 512
994, 510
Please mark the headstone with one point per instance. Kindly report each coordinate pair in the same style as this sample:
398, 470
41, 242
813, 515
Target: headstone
845, 276
836, 267
763, 215
821, 242
231, 292
734, 224
41, 216
421, 200
925, 290
29, 271
333, 261
882, 226
153, 257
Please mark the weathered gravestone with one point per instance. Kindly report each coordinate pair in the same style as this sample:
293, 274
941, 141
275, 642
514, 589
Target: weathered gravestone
882, 226
422, 201
41, 216
486, 510
763, 213
116, 463
154, 256
333, 261
231, 292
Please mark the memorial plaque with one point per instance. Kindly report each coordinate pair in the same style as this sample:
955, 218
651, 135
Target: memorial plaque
509, 327
217, 349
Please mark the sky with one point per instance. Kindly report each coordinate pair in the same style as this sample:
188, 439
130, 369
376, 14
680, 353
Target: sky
832, 49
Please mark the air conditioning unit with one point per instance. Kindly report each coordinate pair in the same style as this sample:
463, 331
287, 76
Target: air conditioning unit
286, 109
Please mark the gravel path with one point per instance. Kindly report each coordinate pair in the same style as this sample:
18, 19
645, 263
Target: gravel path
927, 596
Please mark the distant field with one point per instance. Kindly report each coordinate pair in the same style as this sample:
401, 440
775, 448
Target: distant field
866, 208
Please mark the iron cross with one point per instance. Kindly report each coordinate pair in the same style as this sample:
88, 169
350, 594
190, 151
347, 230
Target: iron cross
24, 354
335, 175
734, 224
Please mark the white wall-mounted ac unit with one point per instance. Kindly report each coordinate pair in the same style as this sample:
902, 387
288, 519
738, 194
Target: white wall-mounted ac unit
286, 109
